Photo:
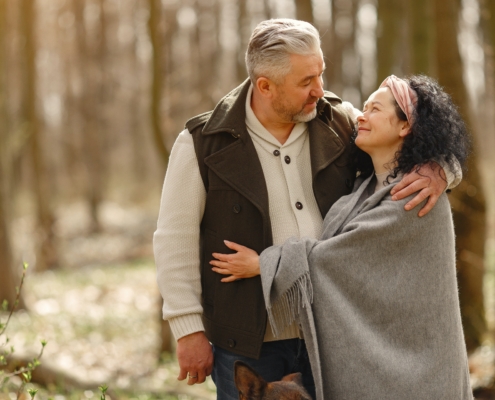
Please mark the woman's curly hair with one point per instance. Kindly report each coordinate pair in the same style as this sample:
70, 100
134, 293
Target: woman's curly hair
437, 133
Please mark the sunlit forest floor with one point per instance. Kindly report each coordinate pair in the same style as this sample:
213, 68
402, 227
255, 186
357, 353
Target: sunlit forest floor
102, 327
100, 312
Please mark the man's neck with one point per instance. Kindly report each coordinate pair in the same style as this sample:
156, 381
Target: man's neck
279, 129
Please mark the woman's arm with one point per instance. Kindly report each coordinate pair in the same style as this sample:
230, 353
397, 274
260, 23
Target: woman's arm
245, 263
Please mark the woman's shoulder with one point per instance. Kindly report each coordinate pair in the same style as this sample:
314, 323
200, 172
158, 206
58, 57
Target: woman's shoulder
440, 214
381, 201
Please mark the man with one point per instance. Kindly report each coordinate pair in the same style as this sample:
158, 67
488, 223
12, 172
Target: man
265, 165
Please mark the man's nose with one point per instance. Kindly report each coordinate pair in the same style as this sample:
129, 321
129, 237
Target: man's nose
318, 89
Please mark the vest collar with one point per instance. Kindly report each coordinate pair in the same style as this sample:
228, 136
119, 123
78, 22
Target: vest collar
230, 113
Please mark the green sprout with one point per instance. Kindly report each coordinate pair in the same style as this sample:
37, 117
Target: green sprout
103, 390
32, 392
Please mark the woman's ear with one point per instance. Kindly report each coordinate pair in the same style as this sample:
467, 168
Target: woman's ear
405, 128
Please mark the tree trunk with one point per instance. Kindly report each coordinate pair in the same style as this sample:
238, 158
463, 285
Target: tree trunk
208, 49
487, 108
420, 36
89, 101
166, 344
157, 43
157, 81
388, 35
46, 253
7, 285
489, 17
72, 181
139, 155
244, 35
332, 50
267, 9
97, 129
304, 11
467, 200
339, 38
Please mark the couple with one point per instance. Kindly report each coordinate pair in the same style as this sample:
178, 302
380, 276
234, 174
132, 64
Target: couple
266, 165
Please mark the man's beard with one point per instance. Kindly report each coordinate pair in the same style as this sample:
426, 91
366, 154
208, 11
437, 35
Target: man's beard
301, 116
291, 115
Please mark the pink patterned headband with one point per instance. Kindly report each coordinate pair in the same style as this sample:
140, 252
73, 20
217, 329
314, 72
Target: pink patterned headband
405, 96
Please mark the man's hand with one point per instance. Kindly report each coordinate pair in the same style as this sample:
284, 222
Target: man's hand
195, 358
430, 182
243, 264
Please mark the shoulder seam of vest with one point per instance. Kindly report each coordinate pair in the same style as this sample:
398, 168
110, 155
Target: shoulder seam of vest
198, 120
330, 96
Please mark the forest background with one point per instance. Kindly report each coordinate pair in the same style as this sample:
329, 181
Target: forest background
92, 96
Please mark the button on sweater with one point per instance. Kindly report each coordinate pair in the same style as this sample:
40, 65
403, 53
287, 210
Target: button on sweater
287, 170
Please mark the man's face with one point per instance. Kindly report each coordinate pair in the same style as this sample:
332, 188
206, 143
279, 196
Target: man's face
296, 96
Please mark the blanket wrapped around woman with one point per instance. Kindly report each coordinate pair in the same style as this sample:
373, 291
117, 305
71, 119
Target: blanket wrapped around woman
376, 299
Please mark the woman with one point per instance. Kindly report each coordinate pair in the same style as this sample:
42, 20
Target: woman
376, 297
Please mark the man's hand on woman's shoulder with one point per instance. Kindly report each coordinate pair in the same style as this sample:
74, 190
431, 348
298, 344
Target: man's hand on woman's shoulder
429, 183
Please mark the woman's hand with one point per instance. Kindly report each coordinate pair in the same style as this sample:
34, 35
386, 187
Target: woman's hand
243, 264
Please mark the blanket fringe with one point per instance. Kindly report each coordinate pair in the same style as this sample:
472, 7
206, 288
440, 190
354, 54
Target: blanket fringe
285, 310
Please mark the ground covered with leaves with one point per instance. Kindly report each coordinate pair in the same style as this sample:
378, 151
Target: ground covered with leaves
101, 325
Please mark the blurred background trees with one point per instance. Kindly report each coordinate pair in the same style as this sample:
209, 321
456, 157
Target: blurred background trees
94, 92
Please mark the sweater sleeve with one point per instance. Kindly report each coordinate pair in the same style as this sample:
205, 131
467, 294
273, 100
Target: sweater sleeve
454, 176
176, 239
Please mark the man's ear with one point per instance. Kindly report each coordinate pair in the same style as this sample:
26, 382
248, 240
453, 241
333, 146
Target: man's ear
405, 129
265, 86
249, 383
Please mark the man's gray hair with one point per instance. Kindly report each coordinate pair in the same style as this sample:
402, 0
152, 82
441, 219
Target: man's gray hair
272, 43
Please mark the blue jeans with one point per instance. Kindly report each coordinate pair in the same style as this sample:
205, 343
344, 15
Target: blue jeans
277, 359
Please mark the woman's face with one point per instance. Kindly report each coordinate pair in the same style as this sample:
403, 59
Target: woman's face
380, 131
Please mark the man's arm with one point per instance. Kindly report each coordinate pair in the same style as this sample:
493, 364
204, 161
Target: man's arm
429, 183
176, 248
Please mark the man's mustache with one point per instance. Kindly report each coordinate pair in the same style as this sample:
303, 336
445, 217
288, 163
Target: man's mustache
312, 100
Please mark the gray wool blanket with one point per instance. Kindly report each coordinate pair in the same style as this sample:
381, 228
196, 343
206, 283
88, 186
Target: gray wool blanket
376, 298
